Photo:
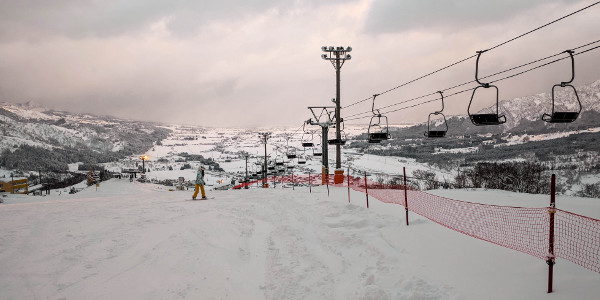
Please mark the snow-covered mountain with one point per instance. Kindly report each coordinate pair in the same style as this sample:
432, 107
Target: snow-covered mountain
24, 127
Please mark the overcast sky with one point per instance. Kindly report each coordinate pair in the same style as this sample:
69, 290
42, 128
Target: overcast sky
257, 62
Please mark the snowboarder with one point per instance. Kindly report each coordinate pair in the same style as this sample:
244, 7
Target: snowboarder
199, 184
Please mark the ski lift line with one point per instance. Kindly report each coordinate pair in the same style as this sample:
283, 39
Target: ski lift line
350, 117
414, 80
470, 89
545, 25
511, 69
465, 59
543, 65
488, 76
504, 78
414, 105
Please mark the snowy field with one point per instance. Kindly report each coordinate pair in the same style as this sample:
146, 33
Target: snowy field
139, 241
226, 145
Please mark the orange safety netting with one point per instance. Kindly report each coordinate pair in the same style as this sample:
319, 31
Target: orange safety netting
527, 230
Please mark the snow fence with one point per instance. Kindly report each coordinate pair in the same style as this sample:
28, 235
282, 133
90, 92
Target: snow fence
527, 230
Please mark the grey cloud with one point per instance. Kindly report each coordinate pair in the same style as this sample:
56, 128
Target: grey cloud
32, 19
386, 16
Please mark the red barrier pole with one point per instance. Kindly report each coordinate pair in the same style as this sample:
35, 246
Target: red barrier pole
405, 196
309, 183
552, 210
292, 181
348, 184
366, 190
327, 185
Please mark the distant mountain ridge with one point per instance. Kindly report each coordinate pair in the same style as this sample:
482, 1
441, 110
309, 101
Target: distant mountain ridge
73, 137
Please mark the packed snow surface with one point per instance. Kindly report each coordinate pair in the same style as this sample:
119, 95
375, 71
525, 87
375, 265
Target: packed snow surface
129, 240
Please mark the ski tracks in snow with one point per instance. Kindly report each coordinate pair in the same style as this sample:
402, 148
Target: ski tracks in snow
251, 244
320, 249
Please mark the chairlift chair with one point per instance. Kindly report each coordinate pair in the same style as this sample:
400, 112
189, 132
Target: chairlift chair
291, 154
485, 119
341, 141
437, 133
301, 160
278, 161
377, 131
290, 151
317, 151
564, 116
305, 142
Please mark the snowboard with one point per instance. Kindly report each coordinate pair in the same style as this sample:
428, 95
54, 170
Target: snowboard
199, 199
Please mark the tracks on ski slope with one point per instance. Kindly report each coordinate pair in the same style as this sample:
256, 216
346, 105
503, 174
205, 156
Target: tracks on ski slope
152, 244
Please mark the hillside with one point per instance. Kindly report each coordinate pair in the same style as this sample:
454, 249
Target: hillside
35, 138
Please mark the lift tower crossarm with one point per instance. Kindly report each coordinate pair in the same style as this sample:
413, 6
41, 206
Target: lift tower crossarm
325, 124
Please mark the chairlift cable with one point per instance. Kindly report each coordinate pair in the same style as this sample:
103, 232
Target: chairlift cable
409, 82
350, 117
472, 56
463, 91
547, 24
543, 65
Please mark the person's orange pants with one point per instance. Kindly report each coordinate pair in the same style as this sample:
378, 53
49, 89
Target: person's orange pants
201, 187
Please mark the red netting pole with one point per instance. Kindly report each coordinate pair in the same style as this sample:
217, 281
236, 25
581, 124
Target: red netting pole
327, 182
309, 183
292, 181
405, 195
551, 258
366, 190
348, 184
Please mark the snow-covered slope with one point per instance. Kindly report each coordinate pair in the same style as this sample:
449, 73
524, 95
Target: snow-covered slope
138, 241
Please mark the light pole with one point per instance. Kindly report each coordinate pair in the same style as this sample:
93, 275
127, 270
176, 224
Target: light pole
144, 158
337, 56
246, 155
264, 138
